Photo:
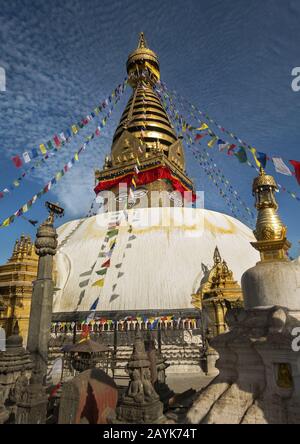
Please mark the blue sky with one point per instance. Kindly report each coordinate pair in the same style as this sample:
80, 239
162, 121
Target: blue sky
232, 59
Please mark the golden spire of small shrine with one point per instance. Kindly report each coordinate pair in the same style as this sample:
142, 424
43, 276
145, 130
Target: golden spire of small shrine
270, 232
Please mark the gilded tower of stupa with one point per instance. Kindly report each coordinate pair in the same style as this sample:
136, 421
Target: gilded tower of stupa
145, 138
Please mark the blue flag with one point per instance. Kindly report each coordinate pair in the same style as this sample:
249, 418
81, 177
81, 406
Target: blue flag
262, 158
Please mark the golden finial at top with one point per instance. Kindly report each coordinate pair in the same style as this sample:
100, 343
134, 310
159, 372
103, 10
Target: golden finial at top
142, 59
142, 41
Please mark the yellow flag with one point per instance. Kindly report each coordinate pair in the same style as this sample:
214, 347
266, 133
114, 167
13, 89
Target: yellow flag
202, 127
76, 156
153, 70
99, 283
6, 222
43, 148
74, 129
253, 151
212, 141
25, 208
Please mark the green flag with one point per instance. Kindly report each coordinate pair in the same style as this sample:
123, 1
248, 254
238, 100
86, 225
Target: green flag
241, 155
112, 233
102, 272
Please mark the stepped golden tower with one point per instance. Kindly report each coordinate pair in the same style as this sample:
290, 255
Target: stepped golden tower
145, 140
16, 278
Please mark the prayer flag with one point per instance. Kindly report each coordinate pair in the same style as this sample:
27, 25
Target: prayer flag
94, 306
199, 136
112, 244
98, 283
112, 233
262, 158
6, 222
63, 137
34, 153
17, 161
76, 156
253, 151
102, 272
74, 129
26, 157
202, 127
43, 148
296, 165
106, 264
241, 155
212, 142
230, 149
281, 167
56, 141
49, 145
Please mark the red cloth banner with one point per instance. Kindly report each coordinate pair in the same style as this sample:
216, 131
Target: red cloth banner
143, 178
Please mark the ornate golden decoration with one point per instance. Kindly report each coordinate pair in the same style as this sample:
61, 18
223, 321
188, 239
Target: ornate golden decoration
145, 133
270, 232
218, 290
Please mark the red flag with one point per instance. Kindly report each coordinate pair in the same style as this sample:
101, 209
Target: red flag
106, 264
296, 165
56, 141
230, 150
17, 161
199, 136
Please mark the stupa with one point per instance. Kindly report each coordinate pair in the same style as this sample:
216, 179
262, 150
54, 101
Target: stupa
139, 261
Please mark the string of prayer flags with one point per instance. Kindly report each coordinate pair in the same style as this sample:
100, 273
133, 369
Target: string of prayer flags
259, 160
281, 167
296, 166
58, 140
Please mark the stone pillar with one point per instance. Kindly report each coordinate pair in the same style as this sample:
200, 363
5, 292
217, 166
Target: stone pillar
35, 405
42, 297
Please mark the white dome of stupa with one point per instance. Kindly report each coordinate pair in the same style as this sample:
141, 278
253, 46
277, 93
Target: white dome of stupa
156, 260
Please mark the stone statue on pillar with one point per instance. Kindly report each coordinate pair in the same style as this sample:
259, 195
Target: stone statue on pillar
41, 313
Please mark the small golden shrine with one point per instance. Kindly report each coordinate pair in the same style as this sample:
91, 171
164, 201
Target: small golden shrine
16, 278
218, 291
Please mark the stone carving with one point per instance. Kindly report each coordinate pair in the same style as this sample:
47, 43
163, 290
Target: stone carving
140, 403
46, 239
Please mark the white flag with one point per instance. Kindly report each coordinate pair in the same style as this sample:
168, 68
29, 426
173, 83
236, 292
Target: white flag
281, 167
62, 137
26, 157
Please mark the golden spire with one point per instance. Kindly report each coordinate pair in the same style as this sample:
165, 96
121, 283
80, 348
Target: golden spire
270, 232
145, 136
144, 116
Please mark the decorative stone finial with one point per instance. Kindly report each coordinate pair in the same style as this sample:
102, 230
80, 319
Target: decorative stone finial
270, 232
